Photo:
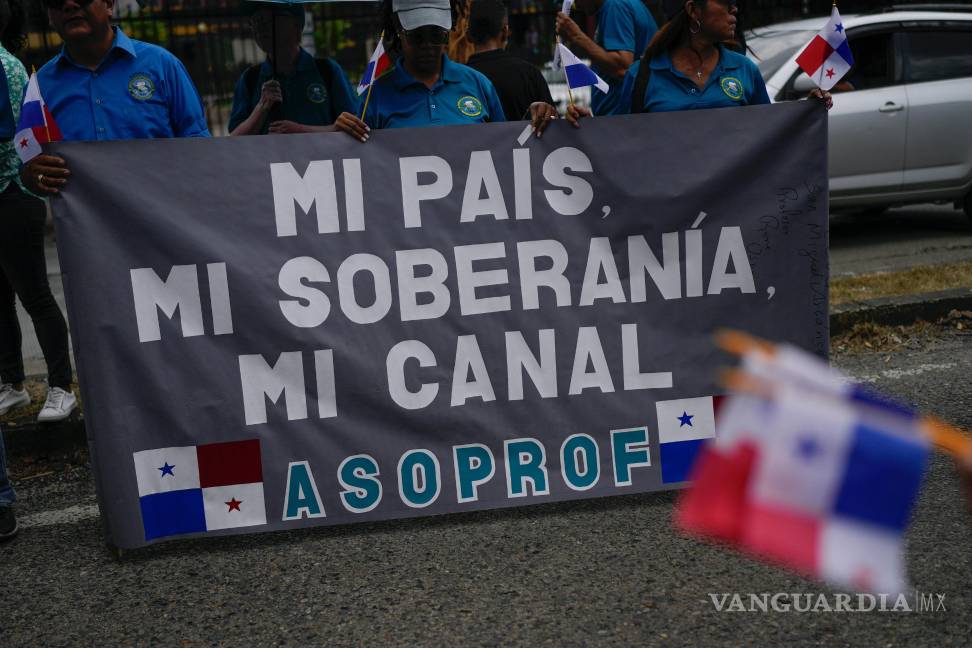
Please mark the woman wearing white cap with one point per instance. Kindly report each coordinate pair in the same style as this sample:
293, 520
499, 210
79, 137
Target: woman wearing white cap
425, 87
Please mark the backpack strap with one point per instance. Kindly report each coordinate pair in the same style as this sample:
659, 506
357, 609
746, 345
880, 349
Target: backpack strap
641, 85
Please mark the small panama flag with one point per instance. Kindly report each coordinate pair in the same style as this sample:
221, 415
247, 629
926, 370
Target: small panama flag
683, 427
377, 66
827, 58
578, 74
193, 489
810, 473
36, 125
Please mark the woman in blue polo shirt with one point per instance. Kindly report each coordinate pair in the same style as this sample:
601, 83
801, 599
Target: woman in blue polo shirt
688, 67
425, 87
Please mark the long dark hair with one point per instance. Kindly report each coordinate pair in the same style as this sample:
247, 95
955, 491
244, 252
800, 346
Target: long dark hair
673, 31
14, 35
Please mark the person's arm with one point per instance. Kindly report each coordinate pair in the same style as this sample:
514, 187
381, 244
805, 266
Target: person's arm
617, 55
186, 112
270, 94
343, 95
344, 103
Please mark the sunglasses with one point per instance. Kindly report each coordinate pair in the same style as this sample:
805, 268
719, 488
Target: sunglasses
59, 4
429, 35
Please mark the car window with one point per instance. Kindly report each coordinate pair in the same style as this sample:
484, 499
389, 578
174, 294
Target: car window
771, 49
873, 61
937, 55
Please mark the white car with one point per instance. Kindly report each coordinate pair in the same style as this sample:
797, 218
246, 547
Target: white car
901, 127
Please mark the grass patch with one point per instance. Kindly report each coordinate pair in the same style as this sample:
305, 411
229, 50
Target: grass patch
906, 282
867, 336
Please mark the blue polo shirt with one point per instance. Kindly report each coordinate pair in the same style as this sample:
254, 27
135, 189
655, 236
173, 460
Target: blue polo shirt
622, 25
139, 91
460, 96
309, 99
735, 81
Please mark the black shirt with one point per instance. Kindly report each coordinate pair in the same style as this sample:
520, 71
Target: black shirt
518, 83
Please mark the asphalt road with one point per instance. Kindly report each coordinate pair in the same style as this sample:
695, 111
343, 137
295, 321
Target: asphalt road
603, 572
898, 239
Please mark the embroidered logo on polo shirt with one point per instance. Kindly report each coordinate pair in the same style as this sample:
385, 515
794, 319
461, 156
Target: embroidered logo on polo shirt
141, 87
733, 88
316, 93
470, 106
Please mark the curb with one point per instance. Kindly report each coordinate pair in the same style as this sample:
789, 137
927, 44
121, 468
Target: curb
26, 437
904, 309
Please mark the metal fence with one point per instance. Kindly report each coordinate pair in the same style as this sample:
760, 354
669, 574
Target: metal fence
212, 39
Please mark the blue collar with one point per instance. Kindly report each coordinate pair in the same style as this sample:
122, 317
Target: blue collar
449, 74
663, 61
304, 62
121, 42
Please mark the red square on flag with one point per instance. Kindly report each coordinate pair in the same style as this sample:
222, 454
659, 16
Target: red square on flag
782, 537
814, 55
227, 464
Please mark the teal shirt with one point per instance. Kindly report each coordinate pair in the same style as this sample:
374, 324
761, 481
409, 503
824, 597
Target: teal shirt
460, 96
138, 91
16, 82
308, 98
622, 26
736, 81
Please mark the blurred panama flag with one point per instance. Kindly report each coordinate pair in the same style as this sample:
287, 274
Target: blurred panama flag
36, 125
811, 472
827, 57
578, 74
378, 64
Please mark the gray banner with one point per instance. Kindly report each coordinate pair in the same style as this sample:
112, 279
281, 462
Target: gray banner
276, 332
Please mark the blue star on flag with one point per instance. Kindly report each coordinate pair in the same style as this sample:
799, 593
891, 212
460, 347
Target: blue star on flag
839, 28
807, 448
166, 469
685, 419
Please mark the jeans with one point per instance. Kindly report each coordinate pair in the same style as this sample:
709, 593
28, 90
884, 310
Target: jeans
23, 272
7, 495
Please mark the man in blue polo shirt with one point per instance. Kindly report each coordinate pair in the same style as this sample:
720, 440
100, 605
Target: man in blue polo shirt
291, 91
624, 29
426, 88
105, 86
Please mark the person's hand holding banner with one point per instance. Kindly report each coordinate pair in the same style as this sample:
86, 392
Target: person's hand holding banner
353, 126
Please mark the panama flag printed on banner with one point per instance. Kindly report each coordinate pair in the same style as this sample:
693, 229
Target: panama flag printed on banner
192, 489
827, 58
578, 74
36, 125
683, 426
377, 65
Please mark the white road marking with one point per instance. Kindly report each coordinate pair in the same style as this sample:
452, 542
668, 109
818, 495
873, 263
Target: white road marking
898, 374
69, 515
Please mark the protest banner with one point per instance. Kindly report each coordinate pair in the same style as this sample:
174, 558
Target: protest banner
277, 332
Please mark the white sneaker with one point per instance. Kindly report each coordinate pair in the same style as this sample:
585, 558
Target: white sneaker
58, 406
11, 398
